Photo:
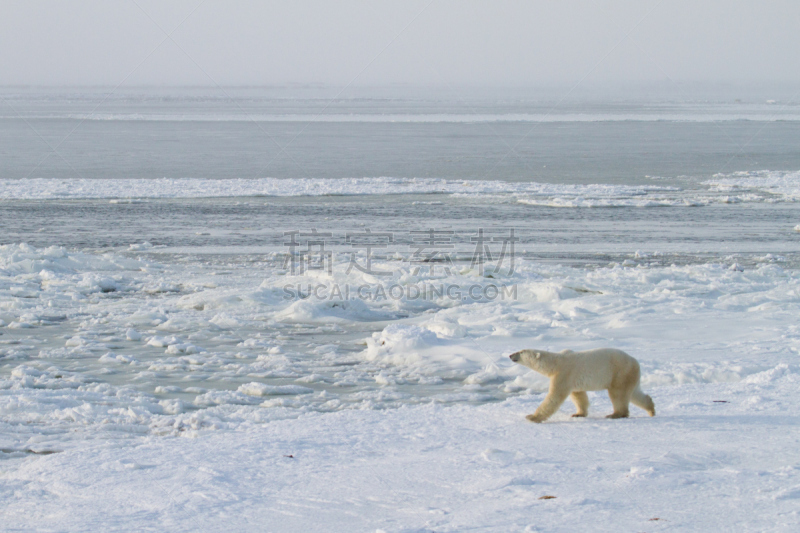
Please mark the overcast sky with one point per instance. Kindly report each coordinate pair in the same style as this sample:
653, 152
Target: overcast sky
513, 43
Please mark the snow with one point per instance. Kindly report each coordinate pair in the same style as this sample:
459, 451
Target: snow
699, 465
181, 407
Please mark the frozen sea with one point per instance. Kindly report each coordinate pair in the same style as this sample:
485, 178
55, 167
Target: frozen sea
281, 308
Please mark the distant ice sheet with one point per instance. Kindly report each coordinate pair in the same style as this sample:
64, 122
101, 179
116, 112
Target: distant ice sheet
459, 118
43, 188
783, 185
737, 187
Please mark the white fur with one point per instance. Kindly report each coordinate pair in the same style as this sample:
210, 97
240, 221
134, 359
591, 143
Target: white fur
574, 373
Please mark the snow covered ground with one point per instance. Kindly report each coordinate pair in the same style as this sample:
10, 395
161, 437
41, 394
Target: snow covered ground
143, 392
700, 465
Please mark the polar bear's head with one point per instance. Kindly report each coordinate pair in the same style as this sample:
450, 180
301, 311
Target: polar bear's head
538, 360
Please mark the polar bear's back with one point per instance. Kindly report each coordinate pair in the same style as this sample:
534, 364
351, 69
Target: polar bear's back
599, 369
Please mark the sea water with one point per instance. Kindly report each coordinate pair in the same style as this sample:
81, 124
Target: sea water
173, 261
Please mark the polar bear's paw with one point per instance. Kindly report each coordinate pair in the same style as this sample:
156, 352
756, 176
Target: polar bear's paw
618, 415
536, 418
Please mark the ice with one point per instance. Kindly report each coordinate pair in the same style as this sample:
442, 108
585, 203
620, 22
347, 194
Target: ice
45, 188
260, 389
94, 283
76, 341
400, 343
19, 324
25, 259
778, 185
607, 202
329, 311
162, 342
715, 114
224, 321
763, 186
182, 348
117, 359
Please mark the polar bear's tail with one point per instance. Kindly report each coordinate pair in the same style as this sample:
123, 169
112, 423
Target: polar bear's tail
640, 399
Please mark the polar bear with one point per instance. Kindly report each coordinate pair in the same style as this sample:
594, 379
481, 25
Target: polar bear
574, 373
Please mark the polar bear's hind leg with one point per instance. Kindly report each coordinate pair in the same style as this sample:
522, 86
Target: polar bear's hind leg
581, 401
620, 399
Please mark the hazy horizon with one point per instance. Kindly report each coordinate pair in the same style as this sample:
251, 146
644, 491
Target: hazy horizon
784, 94
418, 43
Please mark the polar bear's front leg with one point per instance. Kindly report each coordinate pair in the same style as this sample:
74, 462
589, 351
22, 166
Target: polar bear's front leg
555, 397
581, 401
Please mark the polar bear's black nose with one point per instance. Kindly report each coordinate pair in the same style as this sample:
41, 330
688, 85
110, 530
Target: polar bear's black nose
514, 357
